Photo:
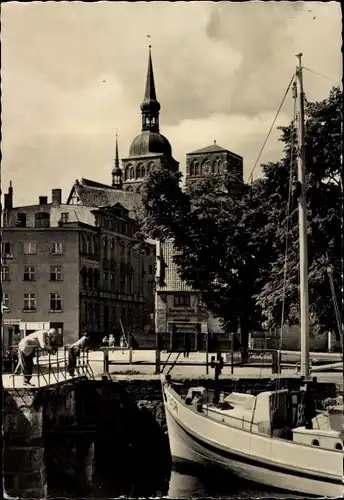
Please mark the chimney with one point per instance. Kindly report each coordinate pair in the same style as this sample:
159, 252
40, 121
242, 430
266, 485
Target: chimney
56, 196
8, 198
43, 200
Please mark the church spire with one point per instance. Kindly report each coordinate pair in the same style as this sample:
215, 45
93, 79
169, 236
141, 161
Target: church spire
150, 107
116, 154
117, 171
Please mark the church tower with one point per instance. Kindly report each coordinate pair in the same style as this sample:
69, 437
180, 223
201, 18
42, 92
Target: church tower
116, 171
150, 148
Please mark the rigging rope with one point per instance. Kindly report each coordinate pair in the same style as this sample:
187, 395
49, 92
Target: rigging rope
272, 126
288, 220
323, 76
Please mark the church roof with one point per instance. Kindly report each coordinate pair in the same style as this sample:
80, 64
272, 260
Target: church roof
95, 194
150, 142
214, 148
150, 102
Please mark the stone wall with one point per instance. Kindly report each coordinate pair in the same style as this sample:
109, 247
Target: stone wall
23, 445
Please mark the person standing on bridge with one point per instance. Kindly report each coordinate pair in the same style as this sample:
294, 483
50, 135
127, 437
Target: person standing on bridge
27, 348
74, 352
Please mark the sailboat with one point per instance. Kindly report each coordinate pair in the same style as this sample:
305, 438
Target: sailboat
271, 438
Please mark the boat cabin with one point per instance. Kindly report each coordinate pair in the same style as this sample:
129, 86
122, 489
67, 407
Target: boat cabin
266, 413
327, 430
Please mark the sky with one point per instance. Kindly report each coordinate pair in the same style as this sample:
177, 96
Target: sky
73, 73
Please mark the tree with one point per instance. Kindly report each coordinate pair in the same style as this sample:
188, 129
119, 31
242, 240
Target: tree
323, 168
210, 226
231, 242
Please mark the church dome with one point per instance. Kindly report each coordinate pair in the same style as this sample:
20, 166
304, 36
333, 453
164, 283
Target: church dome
150, 142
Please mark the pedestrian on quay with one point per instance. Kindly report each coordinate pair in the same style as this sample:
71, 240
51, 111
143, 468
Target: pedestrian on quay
123, 343
111, 341
74, 352
26, 350
187, 345
105, 341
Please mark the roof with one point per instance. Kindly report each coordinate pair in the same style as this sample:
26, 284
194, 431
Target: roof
150, 101
214, 148
95, 194
173, 281
150, 142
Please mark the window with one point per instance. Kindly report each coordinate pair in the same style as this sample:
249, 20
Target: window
122, 286
90, 278
5, 273
55, 273
130, 284
29, 273
106, 280
90, 312
21, 219
129, 250
30, 248
84, 277
96, 278
65, 217
150, 269
5, 301
42, 219
182, 300
112, 280
56, 248
55, 302
122, 247
29, 302
6, 247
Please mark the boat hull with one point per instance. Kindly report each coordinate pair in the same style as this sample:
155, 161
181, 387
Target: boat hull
189, 450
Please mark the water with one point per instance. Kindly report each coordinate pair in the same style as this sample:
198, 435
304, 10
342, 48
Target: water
134, 483
186, 486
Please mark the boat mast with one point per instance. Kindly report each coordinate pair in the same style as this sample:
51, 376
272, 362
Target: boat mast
304, 300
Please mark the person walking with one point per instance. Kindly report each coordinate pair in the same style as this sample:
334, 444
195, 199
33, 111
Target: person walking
187, 345
74, 352
27, 347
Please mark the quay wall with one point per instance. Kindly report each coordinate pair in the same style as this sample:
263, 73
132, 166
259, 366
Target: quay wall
97, 438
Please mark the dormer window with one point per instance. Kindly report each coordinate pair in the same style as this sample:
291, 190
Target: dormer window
21, 219
42, 219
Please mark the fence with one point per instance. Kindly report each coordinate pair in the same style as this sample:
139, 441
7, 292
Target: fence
257, 357
48, 368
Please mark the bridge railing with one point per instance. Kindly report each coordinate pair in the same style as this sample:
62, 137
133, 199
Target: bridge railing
49, 367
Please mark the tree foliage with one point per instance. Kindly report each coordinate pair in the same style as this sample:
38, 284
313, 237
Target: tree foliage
231, 238
323, 164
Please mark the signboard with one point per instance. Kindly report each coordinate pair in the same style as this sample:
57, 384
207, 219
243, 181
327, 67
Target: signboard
12, 321
182, 311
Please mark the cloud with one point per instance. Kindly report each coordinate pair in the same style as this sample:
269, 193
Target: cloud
74, 72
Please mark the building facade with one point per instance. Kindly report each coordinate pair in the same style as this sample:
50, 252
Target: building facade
178, 307
74, 268
212, 160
